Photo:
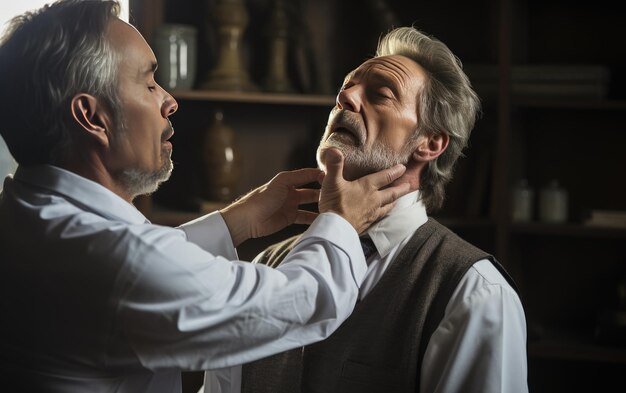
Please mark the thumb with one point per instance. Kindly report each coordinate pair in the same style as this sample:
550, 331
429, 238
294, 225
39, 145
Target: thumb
320, 178
333, 159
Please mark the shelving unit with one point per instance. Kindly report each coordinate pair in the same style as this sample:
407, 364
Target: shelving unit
256, 98
567, 272
274, 133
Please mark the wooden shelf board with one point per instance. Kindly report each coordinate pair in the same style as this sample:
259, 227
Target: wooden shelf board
573, 230
256, 98
566, 103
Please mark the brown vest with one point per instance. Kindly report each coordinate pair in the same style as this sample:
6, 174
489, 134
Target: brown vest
380, 347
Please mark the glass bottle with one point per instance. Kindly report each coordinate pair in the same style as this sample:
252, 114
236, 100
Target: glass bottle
175, 49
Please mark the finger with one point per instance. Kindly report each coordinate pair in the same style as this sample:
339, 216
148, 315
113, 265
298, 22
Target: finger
299, 177
333, 159
306, 195
385, 209
305, 217
385, 177
391, 194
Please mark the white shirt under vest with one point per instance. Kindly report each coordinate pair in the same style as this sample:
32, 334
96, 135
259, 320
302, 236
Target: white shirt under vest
480, 344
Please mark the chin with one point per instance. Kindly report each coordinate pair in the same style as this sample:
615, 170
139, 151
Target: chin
143, 182
320, 152
349, 173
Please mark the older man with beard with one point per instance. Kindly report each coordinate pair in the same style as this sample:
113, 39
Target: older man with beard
435, 313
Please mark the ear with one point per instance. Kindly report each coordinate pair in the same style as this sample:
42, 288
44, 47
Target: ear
430, 147
91, 117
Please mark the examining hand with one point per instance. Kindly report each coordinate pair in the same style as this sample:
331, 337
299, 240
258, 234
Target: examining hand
362, 201
272, 206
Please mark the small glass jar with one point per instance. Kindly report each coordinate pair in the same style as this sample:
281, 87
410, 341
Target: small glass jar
175, 49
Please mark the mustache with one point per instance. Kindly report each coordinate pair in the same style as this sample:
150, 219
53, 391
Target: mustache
168, 132
351, 122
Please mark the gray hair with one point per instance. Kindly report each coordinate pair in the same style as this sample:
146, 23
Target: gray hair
447, 103
48, 56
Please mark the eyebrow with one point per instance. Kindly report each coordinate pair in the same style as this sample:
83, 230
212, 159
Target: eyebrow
151, 69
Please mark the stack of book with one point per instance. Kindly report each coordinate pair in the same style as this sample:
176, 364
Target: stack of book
607, 218
545, 80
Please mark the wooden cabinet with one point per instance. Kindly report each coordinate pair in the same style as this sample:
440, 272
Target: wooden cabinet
571, 129
538, 129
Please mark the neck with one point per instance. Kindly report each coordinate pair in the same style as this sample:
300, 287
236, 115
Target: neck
96, 171
411, 175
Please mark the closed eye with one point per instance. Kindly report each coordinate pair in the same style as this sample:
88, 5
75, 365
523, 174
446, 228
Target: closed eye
383, 94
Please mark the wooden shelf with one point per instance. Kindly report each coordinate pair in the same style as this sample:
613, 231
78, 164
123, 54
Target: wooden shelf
256, 98
578, 351
570, 230
574, 104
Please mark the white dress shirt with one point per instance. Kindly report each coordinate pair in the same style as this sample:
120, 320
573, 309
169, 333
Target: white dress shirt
480, 344
97, 299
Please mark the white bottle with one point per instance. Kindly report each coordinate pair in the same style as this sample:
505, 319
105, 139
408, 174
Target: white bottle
523, 198
553, 203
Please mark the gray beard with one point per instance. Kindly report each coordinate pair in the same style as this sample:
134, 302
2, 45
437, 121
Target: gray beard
137, 181
359, 162
141, 182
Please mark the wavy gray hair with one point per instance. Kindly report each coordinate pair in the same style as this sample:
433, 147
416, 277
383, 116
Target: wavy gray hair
447, 104
46, 57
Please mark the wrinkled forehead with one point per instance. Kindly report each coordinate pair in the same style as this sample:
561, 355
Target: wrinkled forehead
392, 67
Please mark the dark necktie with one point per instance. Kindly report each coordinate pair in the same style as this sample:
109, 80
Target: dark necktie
368, 246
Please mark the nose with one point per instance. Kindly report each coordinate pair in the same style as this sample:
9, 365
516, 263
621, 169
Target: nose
169, 106
349, 98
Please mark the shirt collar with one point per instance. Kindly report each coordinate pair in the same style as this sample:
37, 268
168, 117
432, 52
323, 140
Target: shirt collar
81, 191
408, 214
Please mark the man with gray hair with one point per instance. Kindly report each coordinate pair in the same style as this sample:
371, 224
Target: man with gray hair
95, 298
435, 313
